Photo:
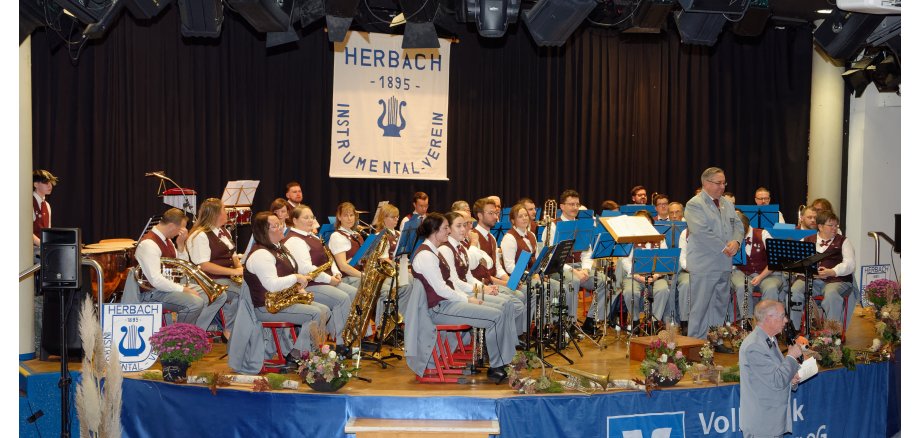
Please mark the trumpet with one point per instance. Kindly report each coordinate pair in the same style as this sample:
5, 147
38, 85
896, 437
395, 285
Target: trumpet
583, 381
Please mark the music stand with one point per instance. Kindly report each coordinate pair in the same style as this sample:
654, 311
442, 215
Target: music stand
409, 240
761, 216
631, 209
740, 259
499, 230
795, 256
553, 264
606, 249
325, 232
529, 294
152, 222
650, 262
671, 231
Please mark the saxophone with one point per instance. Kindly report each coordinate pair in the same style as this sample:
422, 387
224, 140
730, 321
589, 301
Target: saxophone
375, 272
282, 299
189, 270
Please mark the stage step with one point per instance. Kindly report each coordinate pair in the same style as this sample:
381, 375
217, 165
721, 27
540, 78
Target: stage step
385, 427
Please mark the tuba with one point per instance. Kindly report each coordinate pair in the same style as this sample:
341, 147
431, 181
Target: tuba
176, 268
282, 299
375, 272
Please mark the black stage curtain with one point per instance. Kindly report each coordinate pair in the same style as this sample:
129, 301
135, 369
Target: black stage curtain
600, 115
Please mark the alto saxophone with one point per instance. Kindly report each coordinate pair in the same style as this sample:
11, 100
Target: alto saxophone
210, 287
323, 267
282, 299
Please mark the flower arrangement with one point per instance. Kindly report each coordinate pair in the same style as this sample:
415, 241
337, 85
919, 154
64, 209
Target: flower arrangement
887, 328
663, 362
728, 335
322, 368
706, 354
180, 342
826, 347
522, 381
883, 291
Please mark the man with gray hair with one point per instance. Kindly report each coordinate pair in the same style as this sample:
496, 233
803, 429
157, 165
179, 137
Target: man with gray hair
767, 378
714, 236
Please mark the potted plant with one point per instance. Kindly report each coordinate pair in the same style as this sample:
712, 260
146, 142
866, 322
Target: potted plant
177, 346
323, 369
881, 292
664, 364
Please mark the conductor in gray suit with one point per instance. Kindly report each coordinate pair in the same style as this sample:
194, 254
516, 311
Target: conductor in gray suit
767, 378
714, 235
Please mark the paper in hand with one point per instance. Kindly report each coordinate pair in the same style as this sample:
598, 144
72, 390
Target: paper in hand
808, 369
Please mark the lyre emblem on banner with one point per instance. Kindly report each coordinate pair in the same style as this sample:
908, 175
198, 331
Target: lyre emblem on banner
133, 345
392, 110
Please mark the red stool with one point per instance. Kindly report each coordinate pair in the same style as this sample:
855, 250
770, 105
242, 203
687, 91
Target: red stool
445, 362
279, 361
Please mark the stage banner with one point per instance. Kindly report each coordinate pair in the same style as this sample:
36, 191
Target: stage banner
389, 109
837, 403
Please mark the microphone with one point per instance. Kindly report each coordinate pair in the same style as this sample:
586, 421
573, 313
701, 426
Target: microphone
156, 173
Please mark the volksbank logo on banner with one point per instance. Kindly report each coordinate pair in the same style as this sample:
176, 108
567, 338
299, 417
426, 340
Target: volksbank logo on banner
128, 328
658, 425
389, 112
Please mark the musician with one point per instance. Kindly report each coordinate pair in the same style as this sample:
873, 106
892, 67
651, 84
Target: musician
675, 211
460, 205
661, 202
386, 219
278, 207
211, 247
272, 268
730, 196
635, 283
189, 302
610, 205
43, 183
308, 251
585, 276
755, 270
345, 242
459, 261
294, 195
639, 195
447, 305
822, 204
490, 270
808, 220
419, 208
762, 197
834, 279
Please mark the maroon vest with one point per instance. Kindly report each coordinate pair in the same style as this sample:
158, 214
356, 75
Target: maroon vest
317, 253
757, 261
533, 227
521, 246
356, 242
835, 249
220, 254
487, 244
433, 297
167, 249
461, 260
576, 255
283, 265
42, 218
393, 241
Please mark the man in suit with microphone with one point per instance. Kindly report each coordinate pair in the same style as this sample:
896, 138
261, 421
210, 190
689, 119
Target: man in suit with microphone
714, 234
767, 378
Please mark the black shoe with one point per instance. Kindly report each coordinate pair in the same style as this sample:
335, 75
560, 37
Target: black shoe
343, 351
719, 348
497, 374
589, 327
292, 362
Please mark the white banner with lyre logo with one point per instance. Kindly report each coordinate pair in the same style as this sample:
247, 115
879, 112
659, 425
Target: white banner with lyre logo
389, 109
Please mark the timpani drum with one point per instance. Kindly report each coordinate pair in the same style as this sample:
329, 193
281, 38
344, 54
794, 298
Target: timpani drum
239, 215
115, 256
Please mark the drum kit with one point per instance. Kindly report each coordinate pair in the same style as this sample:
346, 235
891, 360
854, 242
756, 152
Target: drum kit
115, 256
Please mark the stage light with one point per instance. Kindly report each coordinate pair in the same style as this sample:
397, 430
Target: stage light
420, 32
98, 29
88, 12
552, 22
650, 16
265, 15
201, 18
754, 20
146, 9
699, 27
491, 16
339, 14
736, 7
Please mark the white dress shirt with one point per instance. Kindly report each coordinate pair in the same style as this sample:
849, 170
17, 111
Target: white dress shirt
848, 265
428, 265
301, 252
509, 247
262, 263
499, 269
148, 258
466, 284
199, 247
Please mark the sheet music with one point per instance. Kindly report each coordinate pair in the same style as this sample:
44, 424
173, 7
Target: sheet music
239, 193
808, 369
631, 229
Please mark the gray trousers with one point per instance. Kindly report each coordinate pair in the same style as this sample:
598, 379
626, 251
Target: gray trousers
297, 314
500, 334
598, 285
633, 302
190, 309
402, 299
232, 304
708, 302
339, 304
832, 305
771, 288
683, 295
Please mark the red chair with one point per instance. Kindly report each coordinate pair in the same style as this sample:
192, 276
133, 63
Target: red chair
446, 362
278, 362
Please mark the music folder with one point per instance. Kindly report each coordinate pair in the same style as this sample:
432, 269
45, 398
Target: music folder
520, 266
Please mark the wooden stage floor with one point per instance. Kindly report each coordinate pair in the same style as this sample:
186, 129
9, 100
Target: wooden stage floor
398, 380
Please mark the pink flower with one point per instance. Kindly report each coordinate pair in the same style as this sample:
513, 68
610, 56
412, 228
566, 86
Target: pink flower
679, 355
325, 349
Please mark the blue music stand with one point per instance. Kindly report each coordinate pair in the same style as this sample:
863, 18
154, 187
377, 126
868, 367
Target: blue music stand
505, 213
408, 239
761, 216
671, 231
740, 257
604, 245
631, 209
332, 220
585, 214
325, 231
499, 230
540, 230
611, 213
518, 271
654, 261
793, 234
365, 249
581, 231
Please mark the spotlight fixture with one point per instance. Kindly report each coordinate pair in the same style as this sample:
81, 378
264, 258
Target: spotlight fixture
491, 16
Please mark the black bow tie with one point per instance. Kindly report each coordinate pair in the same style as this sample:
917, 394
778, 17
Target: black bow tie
825, 243
770, 343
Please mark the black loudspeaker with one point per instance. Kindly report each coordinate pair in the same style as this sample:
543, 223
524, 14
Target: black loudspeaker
491, 16
650, 16
719, 6
753, 22
265, 15
698, 27
60, 258
146, 9
843, 33
201, 18
552, 22
51, 322
339, 14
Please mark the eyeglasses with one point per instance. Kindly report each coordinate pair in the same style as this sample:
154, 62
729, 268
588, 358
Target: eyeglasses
722, 183
762, 199
276, 227
830, 226
573, 204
